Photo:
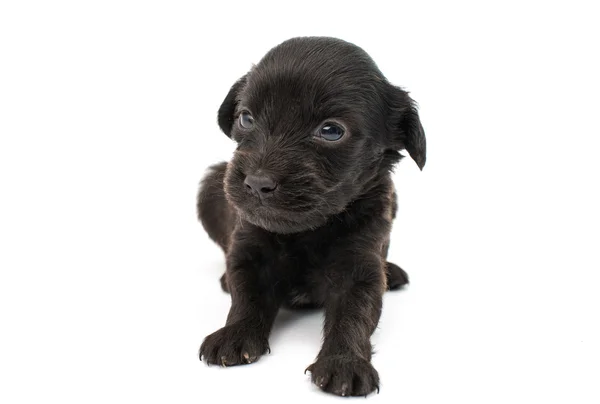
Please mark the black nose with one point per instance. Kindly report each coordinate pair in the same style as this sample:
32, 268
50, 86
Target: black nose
262, 184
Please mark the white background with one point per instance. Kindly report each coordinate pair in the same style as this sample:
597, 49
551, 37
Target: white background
108, 119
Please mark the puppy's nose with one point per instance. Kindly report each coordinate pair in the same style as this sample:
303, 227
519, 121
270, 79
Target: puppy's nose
262, 184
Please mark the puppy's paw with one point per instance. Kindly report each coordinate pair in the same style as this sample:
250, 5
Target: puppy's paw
344, 375
234, 344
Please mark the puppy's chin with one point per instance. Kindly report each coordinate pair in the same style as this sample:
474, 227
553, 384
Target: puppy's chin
277, 221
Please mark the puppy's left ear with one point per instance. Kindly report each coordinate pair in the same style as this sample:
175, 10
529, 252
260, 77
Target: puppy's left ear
227, 108
406, 131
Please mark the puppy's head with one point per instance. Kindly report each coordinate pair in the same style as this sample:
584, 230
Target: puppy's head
316, 122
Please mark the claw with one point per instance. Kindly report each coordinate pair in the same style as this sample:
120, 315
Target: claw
248, 358
308, 369
223, 361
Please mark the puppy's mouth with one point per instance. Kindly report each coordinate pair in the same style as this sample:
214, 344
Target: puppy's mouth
266, 213
276, 206
274, 216
290, 207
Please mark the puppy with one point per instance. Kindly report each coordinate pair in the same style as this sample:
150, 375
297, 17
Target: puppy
304, 209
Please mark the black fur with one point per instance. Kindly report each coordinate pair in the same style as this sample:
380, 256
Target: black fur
318, 235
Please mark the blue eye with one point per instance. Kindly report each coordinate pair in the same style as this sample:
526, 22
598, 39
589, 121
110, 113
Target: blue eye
246, 120
331, 132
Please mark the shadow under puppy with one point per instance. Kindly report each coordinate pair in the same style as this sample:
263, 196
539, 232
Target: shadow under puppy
304, 209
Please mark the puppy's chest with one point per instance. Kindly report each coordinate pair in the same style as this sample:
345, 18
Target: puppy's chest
303, 263
302, 256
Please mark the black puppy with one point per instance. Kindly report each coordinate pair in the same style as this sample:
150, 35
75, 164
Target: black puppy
304, 209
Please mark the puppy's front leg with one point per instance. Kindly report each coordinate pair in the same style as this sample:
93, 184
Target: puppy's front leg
254, 305
352, 311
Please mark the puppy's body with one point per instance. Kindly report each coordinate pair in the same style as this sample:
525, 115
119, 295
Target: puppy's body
300, 256
304, 210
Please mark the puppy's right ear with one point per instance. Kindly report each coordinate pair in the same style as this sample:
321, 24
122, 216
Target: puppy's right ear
227, 109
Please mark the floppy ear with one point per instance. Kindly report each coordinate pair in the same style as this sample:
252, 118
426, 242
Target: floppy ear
227, 108
405, 126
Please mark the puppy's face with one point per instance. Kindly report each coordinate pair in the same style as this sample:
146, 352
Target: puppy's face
315, 122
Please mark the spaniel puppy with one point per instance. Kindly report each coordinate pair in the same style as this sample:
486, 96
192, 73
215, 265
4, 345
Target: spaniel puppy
304, 209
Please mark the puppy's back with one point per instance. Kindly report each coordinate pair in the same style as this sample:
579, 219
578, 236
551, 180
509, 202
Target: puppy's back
214, 211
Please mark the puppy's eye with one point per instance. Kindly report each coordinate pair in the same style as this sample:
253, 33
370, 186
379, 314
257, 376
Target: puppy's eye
331, 132
246, 120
